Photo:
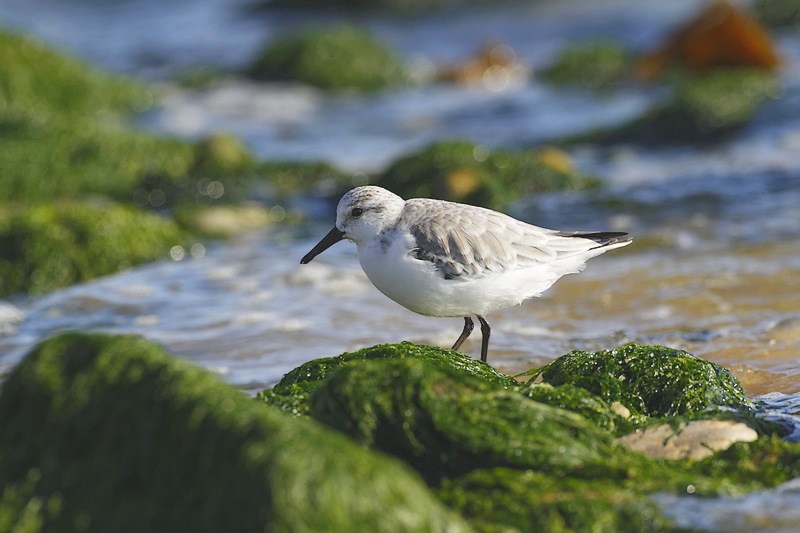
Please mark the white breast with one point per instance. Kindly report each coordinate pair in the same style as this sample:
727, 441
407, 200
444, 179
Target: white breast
415, 284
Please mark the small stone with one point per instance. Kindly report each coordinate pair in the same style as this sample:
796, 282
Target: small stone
694, 440
620, 410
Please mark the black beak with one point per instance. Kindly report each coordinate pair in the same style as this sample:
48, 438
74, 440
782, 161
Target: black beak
335, 235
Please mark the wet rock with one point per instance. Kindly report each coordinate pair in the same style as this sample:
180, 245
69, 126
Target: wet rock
293, 392
337, 58
445, 423
538, 457
598, 65
720, 36
112, 434
46, 247
503, 499
651, 381
701, 110
474, 174
697, 439
580, 401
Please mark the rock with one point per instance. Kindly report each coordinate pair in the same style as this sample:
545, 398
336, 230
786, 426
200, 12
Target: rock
595, 65
464, 172
696, 440
650, 381
719, 36
579, 401
51, 246
495, 66
293, 392
503, 499
336, 58
446, 423
112, 434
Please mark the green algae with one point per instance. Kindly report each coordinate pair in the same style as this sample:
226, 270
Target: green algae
446, 423
66, 140
503, 499
335, 58
464, 172
595, 65
46, 247
651, 381
580, 401
702, 109
20, 510
43, 85
293, 391
153, 433
127, 438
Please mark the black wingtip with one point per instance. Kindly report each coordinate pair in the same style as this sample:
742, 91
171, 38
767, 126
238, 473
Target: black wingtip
603, 238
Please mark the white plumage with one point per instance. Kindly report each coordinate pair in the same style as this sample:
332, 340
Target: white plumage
445, 259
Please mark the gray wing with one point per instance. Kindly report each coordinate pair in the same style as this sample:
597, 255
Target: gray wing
466, 242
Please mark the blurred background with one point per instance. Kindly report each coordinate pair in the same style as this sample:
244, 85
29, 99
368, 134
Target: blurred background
164, 166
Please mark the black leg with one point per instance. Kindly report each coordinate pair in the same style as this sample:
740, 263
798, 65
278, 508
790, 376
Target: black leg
468, 325
485, 332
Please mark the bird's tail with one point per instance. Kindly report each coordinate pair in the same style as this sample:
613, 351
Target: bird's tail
613, 239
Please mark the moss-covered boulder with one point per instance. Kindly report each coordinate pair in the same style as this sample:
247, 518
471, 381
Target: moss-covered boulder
595, 65
38, 83
583, 402
503, 499
293, 392
702, 109
464, 172
446, 423
127, 438
537, 456
651, 381
50, 246
335, 58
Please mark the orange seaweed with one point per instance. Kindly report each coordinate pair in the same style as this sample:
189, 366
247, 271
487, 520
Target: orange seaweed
720, 36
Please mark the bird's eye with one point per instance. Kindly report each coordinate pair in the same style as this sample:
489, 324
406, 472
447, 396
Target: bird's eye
357, 212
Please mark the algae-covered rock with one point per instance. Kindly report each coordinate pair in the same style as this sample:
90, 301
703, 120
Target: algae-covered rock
463, 172
701, 109
293, 392
38, 83
50, 246
337, 58
651, 381
596, 65
502, 499
130, 439
579, 401
64, 135
446, 423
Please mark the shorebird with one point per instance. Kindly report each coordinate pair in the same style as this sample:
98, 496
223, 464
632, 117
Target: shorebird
446, 259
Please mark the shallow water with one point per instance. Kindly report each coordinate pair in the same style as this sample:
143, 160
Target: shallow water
715, 267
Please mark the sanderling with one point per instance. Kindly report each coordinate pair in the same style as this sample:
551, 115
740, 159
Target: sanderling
445, 259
